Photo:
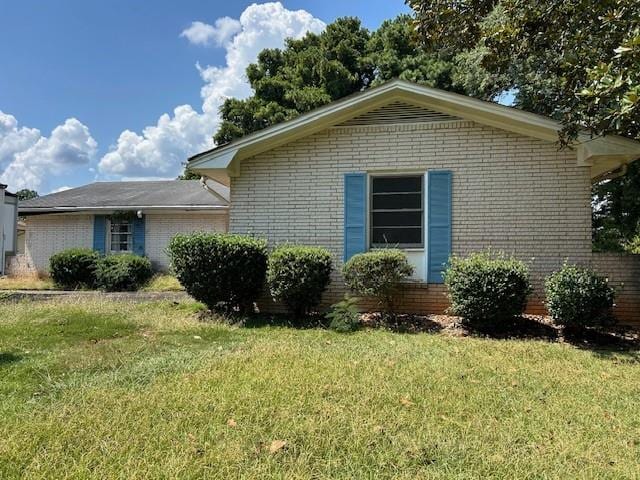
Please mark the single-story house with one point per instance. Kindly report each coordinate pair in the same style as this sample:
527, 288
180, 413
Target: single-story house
8, 224
432, 172
115, 217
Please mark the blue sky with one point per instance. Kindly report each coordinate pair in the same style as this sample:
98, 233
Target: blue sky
111, 90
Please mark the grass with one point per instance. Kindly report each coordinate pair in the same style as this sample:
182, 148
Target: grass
119, 390
31, 282
159, 283
163, 282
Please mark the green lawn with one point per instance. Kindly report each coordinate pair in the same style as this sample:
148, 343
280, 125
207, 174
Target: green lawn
119, 390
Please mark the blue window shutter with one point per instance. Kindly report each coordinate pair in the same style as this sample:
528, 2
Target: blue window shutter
99, 233
355, 214
439, 223
138, 236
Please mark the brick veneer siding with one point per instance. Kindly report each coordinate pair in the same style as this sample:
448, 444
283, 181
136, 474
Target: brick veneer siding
48, 234
510, 192
160, 229
623, 272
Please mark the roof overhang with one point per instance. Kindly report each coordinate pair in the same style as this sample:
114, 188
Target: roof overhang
145, 208
601, 154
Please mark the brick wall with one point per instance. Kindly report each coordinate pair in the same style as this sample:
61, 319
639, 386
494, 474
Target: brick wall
510, 192
160, 228
623, 272
48, 234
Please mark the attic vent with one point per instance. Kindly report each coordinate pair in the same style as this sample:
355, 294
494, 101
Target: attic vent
398, 112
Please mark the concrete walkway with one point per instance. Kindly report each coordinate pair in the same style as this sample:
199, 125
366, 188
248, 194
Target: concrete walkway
17, 295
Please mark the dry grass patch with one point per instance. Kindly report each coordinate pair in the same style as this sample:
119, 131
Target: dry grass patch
31, 282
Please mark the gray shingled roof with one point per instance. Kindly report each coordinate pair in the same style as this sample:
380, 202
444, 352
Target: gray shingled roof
122, 195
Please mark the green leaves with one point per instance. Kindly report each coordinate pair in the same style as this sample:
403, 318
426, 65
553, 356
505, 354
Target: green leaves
377, 274
298, 276
578, 296
486, 289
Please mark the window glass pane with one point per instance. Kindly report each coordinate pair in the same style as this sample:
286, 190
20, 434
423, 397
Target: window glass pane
121, 237
397, 215
396, 184
397, 201
393, 236
397, 219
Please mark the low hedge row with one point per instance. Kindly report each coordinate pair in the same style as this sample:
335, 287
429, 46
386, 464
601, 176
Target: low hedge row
85, 268
487, 289
227, 271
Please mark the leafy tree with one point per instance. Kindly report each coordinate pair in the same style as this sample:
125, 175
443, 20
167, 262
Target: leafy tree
320, 68
188, 174
26, 194
575, 60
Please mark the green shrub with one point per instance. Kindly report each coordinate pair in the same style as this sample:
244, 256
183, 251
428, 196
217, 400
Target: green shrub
487, 289
344, 316
220, 269
377, 274
298, 276
123, 272
578, 296
74, 268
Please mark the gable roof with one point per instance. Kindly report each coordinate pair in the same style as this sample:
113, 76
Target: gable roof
171, 194
602, 154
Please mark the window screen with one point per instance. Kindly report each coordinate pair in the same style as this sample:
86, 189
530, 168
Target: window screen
120, 236
397, 211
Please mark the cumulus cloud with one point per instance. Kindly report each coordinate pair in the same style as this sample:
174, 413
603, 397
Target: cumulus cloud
28, 159
200, 33
159, 150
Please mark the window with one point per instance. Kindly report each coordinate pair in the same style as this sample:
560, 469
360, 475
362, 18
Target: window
397, 217
120, 236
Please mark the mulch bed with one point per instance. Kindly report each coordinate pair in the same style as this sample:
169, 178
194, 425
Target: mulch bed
535, 327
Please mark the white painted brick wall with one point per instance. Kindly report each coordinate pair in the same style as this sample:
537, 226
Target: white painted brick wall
48, 234
510, 192
160, 229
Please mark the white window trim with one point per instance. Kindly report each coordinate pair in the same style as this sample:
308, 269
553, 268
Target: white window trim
108, 243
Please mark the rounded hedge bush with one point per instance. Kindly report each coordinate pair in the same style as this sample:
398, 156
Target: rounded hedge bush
123, 272
74, 268
377, 274
578, 296
487, 289
220, 269
298, 276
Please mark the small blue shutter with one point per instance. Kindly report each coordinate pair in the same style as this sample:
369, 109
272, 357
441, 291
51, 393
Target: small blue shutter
99, 233
138, 236
439, 223
355, 213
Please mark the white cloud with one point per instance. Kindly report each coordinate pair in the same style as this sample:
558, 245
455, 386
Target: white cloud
160, 149
64, 188
28, 159
200, 33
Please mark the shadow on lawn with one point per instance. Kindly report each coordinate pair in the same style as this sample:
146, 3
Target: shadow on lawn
606, 343
260, 320
8, 357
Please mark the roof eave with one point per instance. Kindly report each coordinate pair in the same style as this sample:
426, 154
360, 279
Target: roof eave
223, 163
40, 210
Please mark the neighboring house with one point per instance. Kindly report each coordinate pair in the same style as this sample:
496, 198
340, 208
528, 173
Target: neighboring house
8, 223
433, 172
116, 217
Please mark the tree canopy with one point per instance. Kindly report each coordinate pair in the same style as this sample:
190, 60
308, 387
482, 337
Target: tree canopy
320, 68
575, 60
26, 194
